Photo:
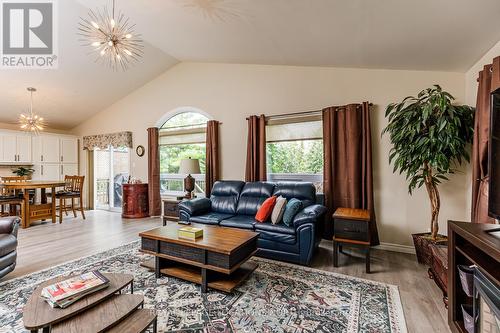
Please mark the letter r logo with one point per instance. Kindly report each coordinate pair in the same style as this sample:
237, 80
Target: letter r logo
27, 28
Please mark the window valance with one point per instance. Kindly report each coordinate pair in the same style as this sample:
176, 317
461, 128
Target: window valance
102, 141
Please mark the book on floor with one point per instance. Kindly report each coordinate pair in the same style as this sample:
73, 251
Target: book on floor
190, 232
64, 293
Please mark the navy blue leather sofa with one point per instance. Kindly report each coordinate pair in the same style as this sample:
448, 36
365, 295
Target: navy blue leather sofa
235, 203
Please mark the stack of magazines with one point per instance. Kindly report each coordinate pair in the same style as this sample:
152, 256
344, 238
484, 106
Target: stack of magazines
63, 294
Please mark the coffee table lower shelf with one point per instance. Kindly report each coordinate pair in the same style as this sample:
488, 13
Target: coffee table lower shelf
216, 280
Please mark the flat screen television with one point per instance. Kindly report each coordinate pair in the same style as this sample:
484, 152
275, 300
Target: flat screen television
494, 157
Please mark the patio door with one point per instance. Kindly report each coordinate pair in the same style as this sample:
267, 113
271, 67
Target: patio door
111, 170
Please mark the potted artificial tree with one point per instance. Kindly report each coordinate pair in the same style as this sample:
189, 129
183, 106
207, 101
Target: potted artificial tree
430, 138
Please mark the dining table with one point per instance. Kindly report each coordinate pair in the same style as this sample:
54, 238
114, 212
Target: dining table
36, 211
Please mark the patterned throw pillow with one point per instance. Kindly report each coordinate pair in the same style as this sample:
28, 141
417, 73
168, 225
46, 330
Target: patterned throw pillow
266, 209
279, 210
292, 208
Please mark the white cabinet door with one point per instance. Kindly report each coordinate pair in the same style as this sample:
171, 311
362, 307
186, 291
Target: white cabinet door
49, 149
50, 172
69, 170
69, 150
23, 143
9, 148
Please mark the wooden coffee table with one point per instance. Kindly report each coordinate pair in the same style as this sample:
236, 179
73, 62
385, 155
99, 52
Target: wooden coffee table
217, 260
86, 315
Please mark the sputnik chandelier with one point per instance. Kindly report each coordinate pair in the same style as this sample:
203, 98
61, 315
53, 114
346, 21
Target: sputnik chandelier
31, 122
112, 39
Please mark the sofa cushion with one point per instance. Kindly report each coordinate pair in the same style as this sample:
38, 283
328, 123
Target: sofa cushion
276, 232
240, 221
210, 218
278, 210
265, 210
292, 208
8, 243
225, 195
304, 191
252, 196
280, 228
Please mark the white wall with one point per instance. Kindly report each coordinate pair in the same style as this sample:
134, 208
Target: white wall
230, 93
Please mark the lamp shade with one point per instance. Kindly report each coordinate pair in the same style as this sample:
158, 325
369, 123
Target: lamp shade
189, 166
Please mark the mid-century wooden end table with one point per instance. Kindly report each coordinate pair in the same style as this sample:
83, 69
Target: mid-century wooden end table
217, 260
351, 227
123, 312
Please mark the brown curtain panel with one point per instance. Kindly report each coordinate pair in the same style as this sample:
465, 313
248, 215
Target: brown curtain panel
154, 173
348, 175
256, 149
480, 149
212, 164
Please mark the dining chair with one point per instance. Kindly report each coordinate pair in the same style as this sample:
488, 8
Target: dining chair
14, 201
73, 189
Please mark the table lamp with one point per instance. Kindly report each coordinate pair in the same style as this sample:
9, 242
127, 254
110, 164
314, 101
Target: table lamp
189, 166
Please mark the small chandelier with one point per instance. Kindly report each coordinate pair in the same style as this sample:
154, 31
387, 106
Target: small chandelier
31, 122
112, 39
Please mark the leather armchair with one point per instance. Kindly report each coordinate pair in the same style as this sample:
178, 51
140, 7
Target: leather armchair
8, 244
194, 207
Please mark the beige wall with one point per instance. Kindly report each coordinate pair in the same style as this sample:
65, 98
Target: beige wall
229, 93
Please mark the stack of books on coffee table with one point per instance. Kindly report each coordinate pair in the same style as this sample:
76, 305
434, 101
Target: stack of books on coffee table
64, 293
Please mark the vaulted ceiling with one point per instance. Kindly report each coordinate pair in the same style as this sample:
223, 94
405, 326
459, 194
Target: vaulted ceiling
445, 35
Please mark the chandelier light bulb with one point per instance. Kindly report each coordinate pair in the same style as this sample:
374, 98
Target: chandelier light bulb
128, 36
95, 25
103, 51
96, 44
112, 22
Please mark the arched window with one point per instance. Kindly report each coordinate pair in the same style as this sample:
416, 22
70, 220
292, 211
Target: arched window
182, 136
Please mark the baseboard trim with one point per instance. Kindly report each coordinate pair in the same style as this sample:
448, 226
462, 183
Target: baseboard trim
396, 248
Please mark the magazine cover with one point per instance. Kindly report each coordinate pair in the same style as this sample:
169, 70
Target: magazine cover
75, 285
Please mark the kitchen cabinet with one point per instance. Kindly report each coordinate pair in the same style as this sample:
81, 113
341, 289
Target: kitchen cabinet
15, 148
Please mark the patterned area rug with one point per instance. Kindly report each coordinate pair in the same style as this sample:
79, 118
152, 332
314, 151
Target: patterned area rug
277, 297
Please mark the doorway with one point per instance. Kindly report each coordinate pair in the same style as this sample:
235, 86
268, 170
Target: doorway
111, 170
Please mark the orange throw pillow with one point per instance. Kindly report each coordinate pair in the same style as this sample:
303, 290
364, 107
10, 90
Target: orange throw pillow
266, 209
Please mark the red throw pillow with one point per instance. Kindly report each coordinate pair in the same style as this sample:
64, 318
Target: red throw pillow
266, 209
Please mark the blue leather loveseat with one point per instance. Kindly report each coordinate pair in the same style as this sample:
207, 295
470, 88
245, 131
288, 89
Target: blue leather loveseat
235, 203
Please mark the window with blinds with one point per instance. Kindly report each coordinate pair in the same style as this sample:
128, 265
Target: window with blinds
295, 149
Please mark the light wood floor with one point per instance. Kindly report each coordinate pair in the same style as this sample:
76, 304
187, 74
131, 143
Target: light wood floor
46, 245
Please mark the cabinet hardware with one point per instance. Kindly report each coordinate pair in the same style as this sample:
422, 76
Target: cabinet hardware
62, 170
62, 159
42, 170
41, 158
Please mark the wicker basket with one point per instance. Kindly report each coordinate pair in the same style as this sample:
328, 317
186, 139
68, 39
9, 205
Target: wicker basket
421, 242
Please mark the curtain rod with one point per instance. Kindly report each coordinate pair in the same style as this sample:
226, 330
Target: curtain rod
299, 113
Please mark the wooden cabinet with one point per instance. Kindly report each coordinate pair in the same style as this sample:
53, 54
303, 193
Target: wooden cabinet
170, 210
15, 147
23, 148
48, 149
55, 156
351, 227
135, 201
69, 150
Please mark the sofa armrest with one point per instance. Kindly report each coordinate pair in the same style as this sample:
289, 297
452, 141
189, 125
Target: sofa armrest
9, 225
310, 214
194, 207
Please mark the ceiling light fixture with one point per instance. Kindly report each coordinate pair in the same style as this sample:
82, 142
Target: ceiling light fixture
112, 39
31, 122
